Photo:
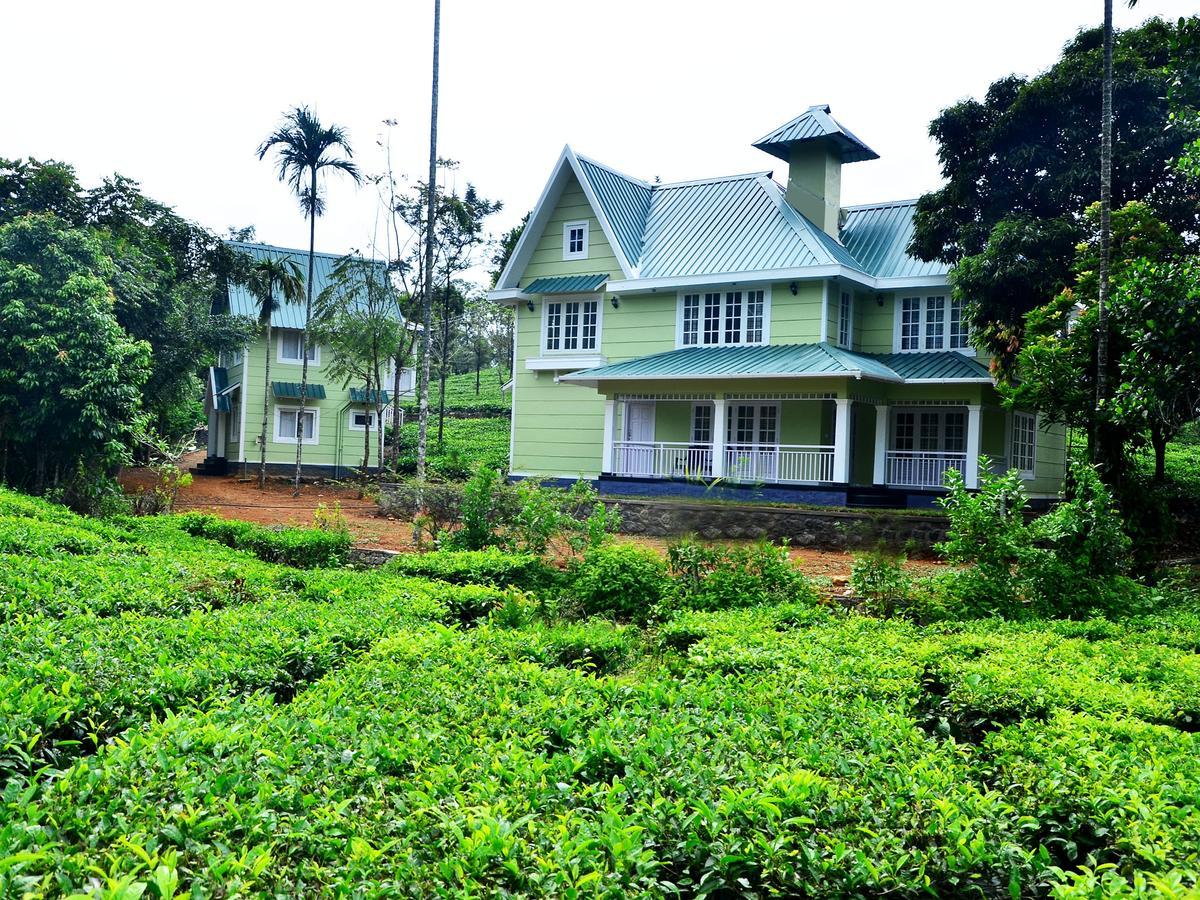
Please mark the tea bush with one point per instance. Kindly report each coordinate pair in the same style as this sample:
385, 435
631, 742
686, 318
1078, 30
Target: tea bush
715, 577
879, 579
622, 580
303, 547
490, 567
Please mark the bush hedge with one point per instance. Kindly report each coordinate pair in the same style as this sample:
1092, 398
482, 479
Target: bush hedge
494, 567
303, 547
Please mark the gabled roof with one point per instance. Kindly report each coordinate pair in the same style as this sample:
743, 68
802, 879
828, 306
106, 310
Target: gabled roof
625, 201
789, 361
815, 124
878, 236
288, 315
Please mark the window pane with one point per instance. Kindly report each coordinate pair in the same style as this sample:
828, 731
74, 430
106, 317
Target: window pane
733, 317
910, 323
309, 419
287, 424
744, 430
767, 424
959, 337
956, 432
702, 415
929, 431
289, 345
905, 428
691, 319
1023, 441
754, 317
712, 318
553, 326
844, 320
935, 323
588, 339
571, 327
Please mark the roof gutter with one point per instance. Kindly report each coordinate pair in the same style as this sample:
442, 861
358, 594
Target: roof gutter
806, 273
592, 380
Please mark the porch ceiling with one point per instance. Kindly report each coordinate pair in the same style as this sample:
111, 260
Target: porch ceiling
822, 360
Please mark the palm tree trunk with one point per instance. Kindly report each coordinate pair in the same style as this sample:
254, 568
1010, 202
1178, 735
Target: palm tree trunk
308, 291
427, 294
262, 464
1106, 131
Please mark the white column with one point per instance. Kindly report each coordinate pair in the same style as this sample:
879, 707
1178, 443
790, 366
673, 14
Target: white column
881, 438
974, 427
718, 437
841, 440
610, 425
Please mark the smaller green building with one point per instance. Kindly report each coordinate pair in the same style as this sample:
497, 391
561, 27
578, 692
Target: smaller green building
336, 415
750, 332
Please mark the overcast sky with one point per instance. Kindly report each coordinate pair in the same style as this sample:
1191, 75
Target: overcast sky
179, 95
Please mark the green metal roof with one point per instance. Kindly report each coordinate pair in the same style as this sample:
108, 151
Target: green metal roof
362, 395
288, 315
567, 284
815, 123
878, 235
290, 390
787, 361
625, 201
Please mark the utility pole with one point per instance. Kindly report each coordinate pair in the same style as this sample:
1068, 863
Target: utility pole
427, 294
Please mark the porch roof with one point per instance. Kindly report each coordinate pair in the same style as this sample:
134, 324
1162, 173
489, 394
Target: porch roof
566, 284
821, 360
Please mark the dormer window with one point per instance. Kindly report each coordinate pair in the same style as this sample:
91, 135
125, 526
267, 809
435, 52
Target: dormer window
575, 240
931, 323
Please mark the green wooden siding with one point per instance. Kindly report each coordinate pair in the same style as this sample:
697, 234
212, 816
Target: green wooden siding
547, 259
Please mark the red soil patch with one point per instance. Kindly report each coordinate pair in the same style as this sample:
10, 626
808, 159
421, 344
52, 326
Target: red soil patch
235, 497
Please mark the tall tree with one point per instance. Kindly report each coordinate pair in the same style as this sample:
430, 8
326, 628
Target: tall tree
1023, 163
270, 281
305, 150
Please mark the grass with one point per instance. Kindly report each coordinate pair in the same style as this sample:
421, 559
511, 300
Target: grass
233, 726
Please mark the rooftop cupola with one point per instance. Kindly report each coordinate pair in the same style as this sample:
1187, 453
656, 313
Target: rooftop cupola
814, 145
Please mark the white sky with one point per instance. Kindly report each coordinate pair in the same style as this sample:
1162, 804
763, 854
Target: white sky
179, 95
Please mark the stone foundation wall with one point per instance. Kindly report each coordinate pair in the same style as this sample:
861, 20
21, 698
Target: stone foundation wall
821, 529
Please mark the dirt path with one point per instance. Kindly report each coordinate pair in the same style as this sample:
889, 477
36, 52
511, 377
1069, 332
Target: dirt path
234, 497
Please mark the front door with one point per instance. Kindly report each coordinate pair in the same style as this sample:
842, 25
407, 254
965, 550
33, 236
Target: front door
639, 438
752, 441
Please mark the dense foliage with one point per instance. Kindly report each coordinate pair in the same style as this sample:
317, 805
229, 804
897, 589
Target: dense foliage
323, 731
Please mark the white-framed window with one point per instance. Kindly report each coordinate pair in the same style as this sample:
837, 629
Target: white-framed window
751, 424
575, 240
702, 421
931, 323
286, 419
361, 418
845, 310
571, 326
290, 343
1023, 445
227, 359
235, 419
930, 430
716, 318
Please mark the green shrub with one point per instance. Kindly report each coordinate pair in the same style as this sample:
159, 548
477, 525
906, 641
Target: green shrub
622, 580
301, 547
494, 567
708, 577
879, 579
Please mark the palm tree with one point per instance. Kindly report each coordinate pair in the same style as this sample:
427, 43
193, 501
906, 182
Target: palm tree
269, 280
305, 148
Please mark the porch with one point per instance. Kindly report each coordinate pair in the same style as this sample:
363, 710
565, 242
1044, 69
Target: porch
801, 440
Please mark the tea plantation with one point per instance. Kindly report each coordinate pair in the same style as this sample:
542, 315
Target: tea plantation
193, 708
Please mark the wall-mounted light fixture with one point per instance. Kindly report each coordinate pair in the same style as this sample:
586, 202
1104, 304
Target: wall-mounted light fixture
529, 305
794, 288
879, 299
615, 301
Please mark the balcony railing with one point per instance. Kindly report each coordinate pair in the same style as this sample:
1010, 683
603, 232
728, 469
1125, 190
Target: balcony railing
792, 463
779, 463
662, 459
922, 468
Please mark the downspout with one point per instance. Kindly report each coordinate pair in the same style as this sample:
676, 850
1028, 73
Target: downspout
337, 443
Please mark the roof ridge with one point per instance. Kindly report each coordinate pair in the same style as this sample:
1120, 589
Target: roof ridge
595, 162
712, 180
299, 251
787, 211
882, 204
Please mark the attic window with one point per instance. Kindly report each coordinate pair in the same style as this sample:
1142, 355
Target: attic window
575, 240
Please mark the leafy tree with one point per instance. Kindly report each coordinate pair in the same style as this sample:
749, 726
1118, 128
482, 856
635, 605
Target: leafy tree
356, 321
305, 150
505, 247
1023, 163
269, 281
1154, 364
70, 377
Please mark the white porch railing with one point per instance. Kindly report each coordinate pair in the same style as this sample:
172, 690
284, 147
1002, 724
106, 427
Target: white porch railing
779, 463
922, 468
662, 459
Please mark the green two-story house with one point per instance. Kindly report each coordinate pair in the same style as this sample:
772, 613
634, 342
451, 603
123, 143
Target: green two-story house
753, 333
335, 416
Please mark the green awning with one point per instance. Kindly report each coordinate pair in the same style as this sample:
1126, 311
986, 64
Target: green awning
362, 395
821, 360
219, 382
566, 284
290, 390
